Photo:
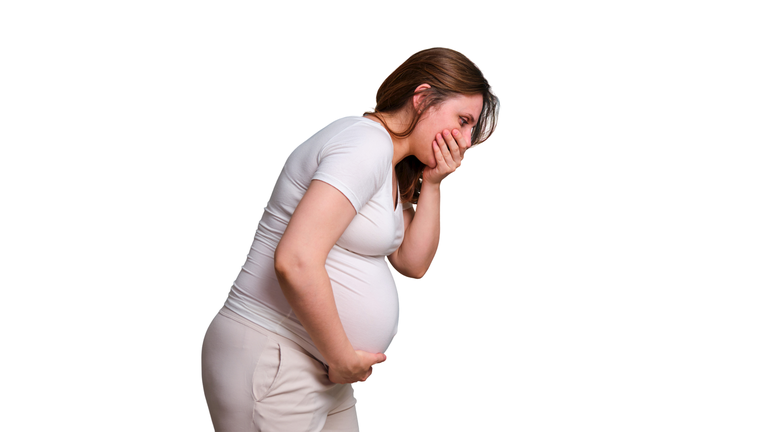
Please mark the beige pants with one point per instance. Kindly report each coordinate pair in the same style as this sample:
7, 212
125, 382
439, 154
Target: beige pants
255, 380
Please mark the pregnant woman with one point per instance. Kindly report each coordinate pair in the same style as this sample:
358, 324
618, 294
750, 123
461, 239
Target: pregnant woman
315, 306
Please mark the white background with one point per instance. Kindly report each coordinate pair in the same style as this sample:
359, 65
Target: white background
603, 265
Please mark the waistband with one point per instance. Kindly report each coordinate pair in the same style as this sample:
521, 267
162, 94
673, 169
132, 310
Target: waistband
282, 340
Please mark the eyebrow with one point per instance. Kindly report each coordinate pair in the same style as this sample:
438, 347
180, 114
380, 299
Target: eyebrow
471, 118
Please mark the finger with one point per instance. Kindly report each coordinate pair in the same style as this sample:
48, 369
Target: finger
372, 358
461, 141
444, 149
456, 152
439, 158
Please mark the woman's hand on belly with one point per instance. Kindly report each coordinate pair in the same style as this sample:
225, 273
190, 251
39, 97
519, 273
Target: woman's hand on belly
357, 369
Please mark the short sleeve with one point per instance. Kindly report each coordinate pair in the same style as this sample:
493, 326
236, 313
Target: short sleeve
356, 161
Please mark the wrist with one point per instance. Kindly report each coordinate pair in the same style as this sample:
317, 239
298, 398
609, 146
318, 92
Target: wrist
345, 361
427, 186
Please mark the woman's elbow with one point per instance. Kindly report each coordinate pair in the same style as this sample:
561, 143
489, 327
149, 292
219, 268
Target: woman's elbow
287, 262
407, 268
292, 264
413, 273
418, 275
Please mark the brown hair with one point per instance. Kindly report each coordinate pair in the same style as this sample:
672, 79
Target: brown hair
448, 73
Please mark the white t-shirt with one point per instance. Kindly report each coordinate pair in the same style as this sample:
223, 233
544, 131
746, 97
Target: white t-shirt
354, 155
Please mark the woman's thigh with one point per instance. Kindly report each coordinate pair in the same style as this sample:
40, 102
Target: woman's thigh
342, 421
254, 382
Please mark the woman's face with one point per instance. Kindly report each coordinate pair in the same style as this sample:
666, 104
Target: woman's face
459, 112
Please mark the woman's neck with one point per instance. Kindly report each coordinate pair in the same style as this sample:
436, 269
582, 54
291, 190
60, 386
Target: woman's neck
397, 122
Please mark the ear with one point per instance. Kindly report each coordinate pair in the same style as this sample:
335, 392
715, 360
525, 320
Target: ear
418, 96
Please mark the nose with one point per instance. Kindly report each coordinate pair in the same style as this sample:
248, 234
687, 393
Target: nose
468, 137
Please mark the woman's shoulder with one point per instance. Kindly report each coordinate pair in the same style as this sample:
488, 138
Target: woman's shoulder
360, 125
357, 134
354, 155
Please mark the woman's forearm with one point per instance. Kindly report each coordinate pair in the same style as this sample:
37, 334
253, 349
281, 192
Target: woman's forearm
308, 290
422, 235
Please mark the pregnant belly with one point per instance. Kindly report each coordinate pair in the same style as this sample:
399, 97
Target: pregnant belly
366, 298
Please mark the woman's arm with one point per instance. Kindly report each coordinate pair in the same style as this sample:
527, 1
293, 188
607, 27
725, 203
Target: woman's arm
317, 223
422, 227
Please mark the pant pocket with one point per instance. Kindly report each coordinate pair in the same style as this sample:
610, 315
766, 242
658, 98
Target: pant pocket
267, 370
